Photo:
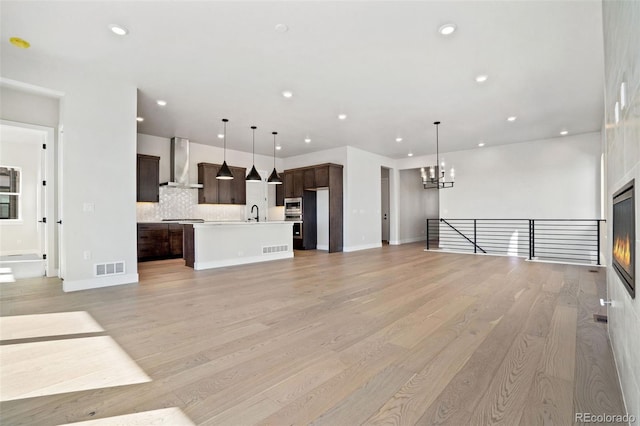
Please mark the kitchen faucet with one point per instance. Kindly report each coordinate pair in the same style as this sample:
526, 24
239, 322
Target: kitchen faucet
257, 212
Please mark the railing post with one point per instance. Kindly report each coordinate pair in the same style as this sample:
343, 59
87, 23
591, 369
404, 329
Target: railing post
529, 239
598, 238
475, 237
427, 234
533, 239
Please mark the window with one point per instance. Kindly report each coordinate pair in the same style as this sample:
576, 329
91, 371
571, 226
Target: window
9, 193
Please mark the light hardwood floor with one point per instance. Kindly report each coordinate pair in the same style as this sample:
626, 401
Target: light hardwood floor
385, 336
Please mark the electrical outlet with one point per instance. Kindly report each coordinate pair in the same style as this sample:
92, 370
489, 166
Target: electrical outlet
88, 207
86, 254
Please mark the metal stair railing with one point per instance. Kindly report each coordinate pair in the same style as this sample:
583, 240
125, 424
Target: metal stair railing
561, 240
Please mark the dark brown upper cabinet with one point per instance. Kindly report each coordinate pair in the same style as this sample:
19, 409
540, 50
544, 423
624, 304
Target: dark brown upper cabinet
298, 183
287, 178
309, 179
221, 191
148, 178
322, 176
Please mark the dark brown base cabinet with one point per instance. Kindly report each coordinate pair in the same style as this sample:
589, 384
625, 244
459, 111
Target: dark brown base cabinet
159, 241
303, 182
220, 191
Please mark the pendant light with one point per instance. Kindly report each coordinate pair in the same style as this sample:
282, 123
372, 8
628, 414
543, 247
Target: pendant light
253, 175
274, 179
435, 178
224, 172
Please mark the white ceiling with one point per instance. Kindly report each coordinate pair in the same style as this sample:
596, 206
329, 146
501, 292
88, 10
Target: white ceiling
384, 64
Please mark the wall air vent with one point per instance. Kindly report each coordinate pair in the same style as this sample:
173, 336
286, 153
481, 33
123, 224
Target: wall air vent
113, 268
275, 249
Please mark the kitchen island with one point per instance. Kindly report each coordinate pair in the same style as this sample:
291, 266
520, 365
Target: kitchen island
218, 244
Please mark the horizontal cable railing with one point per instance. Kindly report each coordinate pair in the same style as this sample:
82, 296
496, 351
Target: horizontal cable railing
562, 240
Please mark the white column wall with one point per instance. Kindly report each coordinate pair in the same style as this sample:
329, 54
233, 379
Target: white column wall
622, 151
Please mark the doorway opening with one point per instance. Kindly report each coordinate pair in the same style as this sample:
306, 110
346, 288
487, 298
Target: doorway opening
384, 205
27, 233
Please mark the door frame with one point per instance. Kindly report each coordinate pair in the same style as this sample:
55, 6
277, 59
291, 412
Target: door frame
46, 195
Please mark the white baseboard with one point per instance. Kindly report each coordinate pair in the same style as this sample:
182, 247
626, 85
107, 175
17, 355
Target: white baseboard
198, 266
363, 247
99, 282
322, 247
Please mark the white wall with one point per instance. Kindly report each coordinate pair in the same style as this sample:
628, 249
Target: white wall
22, 236
99, 144
415, 206
622, 151
29, 107
552, 179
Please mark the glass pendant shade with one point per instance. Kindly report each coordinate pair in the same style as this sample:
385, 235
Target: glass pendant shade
224, 172
253, 175
274, 179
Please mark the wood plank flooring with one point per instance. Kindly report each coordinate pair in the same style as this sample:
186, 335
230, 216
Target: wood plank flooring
385, 336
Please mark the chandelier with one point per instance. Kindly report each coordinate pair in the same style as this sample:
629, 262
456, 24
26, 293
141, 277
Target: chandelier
434, 177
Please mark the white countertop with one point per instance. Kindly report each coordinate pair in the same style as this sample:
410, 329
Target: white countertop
238, 223
222, 222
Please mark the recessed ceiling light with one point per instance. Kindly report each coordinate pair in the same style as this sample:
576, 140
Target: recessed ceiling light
481, 78
220, 136
139, 119
18, 42
307, 140
287, 93
410, 154
512, 118
481, 144
564, 132
398, 140
117, 29
281, 28
278, 147
342, 116
161, 102
447, 29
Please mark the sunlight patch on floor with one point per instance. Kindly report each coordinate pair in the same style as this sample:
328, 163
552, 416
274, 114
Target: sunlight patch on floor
167, 416
6, 275
41, 325
58, 366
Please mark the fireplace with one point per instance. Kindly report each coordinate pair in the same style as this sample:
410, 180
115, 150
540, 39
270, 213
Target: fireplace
624, 236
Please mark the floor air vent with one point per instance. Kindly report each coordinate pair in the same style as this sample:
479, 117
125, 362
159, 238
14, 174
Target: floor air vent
115, 268
275, 249
600, 318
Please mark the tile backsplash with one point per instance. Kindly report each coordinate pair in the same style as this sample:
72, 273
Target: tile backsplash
180, 203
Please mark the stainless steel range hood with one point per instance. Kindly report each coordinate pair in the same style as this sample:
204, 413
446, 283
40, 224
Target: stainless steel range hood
179, 160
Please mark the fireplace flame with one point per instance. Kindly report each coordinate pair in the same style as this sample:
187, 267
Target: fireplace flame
622, 251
